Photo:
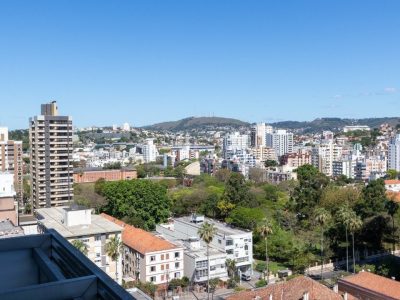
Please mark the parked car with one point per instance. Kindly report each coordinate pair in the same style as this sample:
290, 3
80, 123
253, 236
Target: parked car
245, 277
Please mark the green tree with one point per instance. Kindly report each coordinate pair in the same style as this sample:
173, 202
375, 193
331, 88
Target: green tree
237, 191
344, 216
393, 174
245, 217
81, 246
206, 233
308, 193
113, 249
28, 208
355, 223
322, 217
231, 267
373, 199
270, 163
392, 207
136, 199
213, 286
265, 230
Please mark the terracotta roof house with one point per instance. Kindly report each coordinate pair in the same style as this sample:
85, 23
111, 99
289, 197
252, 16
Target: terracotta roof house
299, 288
146, 257
369, 286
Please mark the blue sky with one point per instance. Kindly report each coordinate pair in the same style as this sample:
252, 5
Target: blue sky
109, 62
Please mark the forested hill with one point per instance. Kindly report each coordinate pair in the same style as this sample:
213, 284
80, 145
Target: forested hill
197, 123
334, 124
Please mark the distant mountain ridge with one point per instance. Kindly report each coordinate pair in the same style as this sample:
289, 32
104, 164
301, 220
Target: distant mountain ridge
334, 124
198, 123
317, 125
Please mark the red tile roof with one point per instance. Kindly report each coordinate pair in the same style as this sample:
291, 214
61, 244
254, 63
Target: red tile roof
392, 181
395, 196
376, 284
139, 239
290, 290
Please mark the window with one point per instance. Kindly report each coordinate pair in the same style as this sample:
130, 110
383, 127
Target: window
177, 275
162, 256
162, 267
152, 258
176, 265
229, 242
152, 278
219, 241
229, 251
176, 254
97, 237
162, 277
167, 256
152, 269
167, 266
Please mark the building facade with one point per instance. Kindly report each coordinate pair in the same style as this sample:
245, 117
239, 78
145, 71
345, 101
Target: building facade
50, 138
148, 258
93, 231
281, 140
394, 153
11, 160
90, 176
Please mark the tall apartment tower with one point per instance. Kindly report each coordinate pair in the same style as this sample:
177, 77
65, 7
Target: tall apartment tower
50, 138
281, 140
394, 153
259, 133
11, 160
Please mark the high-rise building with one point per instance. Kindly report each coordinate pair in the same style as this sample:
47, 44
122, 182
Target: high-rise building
258, 134
324, 155
394, 153
149, 151
233, 143
281, 140
11, 160
50, 138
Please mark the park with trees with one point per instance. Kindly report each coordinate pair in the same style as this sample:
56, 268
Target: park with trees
295, 224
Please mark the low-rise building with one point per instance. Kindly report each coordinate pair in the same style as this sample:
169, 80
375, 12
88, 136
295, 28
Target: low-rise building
148, 258
369, 286
299, 288
78, 223
92, 175
8, 203
236, 243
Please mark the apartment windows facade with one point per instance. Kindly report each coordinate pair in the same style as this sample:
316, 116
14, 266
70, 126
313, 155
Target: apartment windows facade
50, 138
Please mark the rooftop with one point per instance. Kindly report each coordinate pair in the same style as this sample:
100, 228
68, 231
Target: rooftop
139, 239
293, 289
7, 229
47, 267
53, 217
373, 283
222, 228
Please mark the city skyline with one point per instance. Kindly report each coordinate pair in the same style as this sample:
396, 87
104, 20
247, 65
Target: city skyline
144, 63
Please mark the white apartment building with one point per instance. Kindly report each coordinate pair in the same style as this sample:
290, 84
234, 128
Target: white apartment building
281, 140
236, 243
149, 151
394, 153
78, 223
258, 134
50, 137
234, 142
323, 156
126, 127
148, 258
356, 128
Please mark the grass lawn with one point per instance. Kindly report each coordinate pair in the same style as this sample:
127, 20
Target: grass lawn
273, 266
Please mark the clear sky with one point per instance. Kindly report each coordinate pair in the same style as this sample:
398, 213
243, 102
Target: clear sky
109, 62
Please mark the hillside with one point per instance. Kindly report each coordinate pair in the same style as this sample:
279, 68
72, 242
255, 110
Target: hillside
334, 124
198, 123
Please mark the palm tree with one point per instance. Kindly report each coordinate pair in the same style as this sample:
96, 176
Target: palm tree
344, 214
355, 224
113, 249
206, 233
322, 216
266, 229
231, 267
392, 207
81, 246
